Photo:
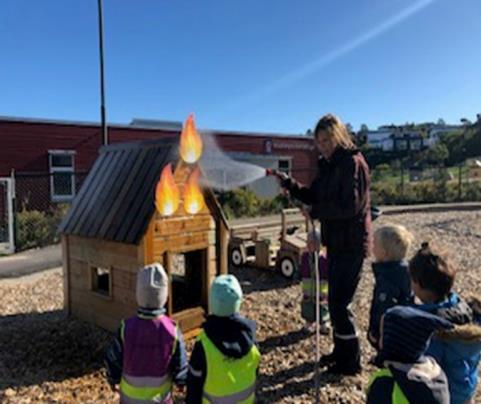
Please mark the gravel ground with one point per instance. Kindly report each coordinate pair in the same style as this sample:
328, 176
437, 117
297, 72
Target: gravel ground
47, 357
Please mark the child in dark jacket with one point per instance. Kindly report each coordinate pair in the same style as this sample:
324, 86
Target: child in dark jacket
224, 362
146, 372
308, 281
391, 273
407, 375
458, 351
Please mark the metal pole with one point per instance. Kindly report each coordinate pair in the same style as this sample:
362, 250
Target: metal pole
318, 316
105, 140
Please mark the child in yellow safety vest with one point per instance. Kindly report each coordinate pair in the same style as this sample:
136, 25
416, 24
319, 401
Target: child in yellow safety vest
224, 362
308, 281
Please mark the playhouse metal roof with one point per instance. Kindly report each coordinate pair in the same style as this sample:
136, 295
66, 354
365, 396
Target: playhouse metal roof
116, 201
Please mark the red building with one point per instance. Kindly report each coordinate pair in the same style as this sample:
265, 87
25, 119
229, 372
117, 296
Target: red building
51, 158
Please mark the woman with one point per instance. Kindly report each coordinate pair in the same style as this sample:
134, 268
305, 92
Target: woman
339, 198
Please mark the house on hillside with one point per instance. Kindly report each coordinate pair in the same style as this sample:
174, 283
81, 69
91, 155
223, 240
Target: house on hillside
113, 229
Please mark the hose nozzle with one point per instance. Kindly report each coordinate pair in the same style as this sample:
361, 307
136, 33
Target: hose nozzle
276, 173
272, 172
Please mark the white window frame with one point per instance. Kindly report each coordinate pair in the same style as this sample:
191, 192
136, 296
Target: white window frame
288, 160
53, 170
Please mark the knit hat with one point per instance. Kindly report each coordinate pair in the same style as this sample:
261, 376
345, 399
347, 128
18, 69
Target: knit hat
152, 287
225, 296
407, 333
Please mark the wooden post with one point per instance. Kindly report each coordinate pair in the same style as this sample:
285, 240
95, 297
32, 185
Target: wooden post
168, 268
66, 274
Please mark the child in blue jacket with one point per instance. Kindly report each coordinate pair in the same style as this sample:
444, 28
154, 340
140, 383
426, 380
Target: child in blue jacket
458, 351
391, 273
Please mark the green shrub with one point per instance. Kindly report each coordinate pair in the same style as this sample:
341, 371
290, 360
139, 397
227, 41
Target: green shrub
244, 202
38, 229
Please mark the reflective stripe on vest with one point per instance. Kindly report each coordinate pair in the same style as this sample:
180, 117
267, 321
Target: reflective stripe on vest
145, 389
309, 288
398, 396
229, 380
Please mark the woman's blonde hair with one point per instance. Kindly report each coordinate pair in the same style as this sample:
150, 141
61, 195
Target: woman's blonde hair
337, 132
394, 240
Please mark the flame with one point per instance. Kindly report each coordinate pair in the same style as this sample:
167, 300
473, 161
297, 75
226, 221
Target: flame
190, 142
167, 195
193, 197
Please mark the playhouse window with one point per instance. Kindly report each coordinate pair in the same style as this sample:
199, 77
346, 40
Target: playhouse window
101, 280
62, 175
188, 278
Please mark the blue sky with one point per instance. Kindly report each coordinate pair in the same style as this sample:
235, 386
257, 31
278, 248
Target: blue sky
271, 65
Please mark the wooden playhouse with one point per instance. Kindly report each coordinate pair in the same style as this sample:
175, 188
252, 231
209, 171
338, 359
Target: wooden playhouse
113, 229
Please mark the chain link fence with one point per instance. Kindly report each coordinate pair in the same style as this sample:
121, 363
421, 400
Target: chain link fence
42, 200
403, 184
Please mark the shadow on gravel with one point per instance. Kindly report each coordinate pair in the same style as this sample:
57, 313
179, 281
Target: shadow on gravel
291, 388
279, 341
255, 280
42, 347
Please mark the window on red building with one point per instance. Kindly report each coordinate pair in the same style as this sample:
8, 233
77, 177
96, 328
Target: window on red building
284, 166
62, 175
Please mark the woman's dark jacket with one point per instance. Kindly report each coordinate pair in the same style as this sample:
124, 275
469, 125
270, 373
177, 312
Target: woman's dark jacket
339, 197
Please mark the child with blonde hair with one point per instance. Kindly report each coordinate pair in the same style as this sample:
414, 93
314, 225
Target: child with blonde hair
391, 273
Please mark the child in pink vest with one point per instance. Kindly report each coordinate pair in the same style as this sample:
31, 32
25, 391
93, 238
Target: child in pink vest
148, 354
308, 281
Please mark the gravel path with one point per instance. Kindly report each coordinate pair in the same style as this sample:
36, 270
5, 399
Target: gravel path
46, 357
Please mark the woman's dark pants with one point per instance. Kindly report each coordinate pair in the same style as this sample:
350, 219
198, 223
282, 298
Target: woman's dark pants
344, 274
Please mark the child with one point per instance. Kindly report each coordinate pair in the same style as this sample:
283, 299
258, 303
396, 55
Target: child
391, 273
224, 362
308, 280
148, 354
407, 375
458, 351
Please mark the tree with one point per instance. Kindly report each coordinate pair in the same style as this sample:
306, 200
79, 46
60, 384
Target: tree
364, 128
437, 154
441, 122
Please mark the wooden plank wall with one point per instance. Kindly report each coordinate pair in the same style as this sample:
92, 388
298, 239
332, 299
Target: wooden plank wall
123, 261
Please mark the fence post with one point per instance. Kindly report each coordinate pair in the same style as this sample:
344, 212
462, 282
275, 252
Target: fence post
402, 179
14, 209
460, 177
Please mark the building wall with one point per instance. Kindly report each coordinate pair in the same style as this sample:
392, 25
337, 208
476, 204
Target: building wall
80, 254
26, 143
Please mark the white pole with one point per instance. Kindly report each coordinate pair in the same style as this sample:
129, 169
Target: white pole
318, 314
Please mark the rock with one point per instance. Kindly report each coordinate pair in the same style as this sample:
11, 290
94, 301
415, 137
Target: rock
10, 393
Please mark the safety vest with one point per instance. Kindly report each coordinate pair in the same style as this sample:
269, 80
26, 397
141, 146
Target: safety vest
309, 282
309, 289
229, 380
148, 347
397, 396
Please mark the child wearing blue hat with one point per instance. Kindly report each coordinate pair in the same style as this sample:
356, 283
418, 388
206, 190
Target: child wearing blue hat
458, 351
407, 375
224, 362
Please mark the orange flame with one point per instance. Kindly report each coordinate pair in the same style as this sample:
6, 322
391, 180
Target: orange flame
190, 142
193, 197
167, 195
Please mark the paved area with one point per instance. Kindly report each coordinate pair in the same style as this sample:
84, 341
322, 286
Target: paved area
28, 262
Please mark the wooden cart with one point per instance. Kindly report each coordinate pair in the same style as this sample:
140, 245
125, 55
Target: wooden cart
273, 242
